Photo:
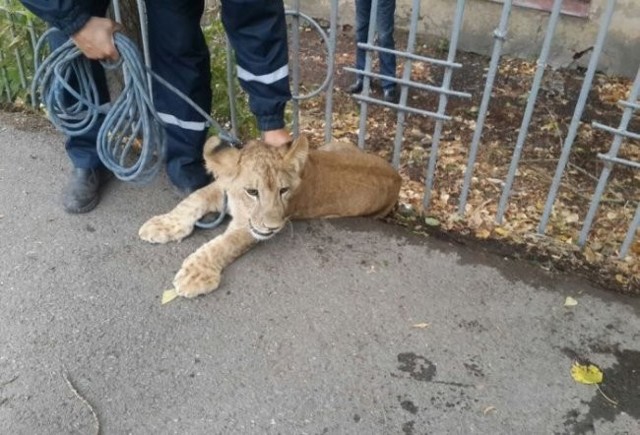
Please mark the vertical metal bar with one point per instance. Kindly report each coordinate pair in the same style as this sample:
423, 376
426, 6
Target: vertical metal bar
144, 33
531, 102
577, 114
32, 36
34, 42
608, 166
635, 224
116, 11
16, 52
499, 36
5, 78
233, 112
366, 82
295, 76
331, 60
404, 90
442, 105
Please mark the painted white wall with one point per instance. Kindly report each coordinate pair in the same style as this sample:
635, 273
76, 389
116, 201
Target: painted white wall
621, 55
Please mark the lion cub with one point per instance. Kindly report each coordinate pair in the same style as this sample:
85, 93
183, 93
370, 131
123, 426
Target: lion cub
265, 187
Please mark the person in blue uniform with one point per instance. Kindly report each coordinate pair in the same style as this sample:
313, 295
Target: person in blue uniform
385, 28
179, 53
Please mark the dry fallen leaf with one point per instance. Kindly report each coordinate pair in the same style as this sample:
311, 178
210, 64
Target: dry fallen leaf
501, 231
421, 325
432, 222
489, 409
621, 278
483, 233
572, 218
586, 373
570, 302
168, 296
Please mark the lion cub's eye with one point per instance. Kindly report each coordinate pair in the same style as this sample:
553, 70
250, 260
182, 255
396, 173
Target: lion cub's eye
284, 190
252, 192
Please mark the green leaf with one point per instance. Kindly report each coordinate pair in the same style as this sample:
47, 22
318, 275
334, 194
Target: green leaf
432, 222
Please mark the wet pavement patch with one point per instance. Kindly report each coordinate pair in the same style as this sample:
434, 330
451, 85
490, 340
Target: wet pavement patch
621, 383
418, 367
408, 406
408, 427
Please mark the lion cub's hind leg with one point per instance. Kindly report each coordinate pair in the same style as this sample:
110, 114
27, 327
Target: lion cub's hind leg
179, 222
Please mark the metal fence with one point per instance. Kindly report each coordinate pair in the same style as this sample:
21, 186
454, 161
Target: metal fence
500, 34
16, 64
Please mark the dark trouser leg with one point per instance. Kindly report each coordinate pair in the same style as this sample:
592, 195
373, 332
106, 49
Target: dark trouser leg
385, 28
363, 13
82, 149
257, 31
180, 55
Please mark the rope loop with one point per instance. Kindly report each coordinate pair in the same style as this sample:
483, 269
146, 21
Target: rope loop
131, 140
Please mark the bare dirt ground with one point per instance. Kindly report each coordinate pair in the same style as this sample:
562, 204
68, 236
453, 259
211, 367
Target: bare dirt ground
517, 237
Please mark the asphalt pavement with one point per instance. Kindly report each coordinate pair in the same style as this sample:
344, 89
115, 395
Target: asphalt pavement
333, 327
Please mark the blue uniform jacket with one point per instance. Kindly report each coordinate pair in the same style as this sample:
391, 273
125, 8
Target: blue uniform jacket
67, 15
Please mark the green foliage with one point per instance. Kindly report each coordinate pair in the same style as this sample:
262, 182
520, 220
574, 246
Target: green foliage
221, 111
18, 31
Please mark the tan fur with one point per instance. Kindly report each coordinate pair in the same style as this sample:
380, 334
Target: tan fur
266, 187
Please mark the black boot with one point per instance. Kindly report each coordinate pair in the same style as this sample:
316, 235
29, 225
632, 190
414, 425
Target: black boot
356, 87
390, 95
82, 192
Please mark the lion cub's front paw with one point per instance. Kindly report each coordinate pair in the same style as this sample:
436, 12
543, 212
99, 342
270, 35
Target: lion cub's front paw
195, 278
165, 228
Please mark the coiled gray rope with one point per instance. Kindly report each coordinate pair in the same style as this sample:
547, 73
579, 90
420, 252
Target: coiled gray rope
131, 139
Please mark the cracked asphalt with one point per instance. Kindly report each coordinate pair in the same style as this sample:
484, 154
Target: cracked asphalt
334, 327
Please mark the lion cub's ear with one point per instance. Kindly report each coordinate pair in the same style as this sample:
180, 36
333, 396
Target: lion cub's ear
221, 159
297, 154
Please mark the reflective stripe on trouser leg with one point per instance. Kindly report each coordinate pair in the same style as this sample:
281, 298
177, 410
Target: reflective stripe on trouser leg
257, 31
180, 55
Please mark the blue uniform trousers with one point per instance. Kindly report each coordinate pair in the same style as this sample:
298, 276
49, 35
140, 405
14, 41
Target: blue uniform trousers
180, 55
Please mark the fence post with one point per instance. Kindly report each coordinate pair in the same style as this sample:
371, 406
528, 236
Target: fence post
531, 102
404, 90
608, 165
499, 36
577, 115
442, 105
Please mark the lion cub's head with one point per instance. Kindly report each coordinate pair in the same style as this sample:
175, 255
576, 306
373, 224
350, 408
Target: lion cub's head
259, 180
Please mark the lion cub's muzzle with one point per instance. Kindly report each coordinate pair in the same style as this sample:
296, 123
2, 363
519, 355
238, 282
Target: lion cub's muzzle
263, 233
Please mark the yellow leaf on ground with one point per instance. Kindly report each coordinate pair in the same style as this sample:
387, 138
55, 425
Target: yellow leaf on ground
586, 373
501, 231
168, 296
483, 233
570, 302
421, 325
621, 278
